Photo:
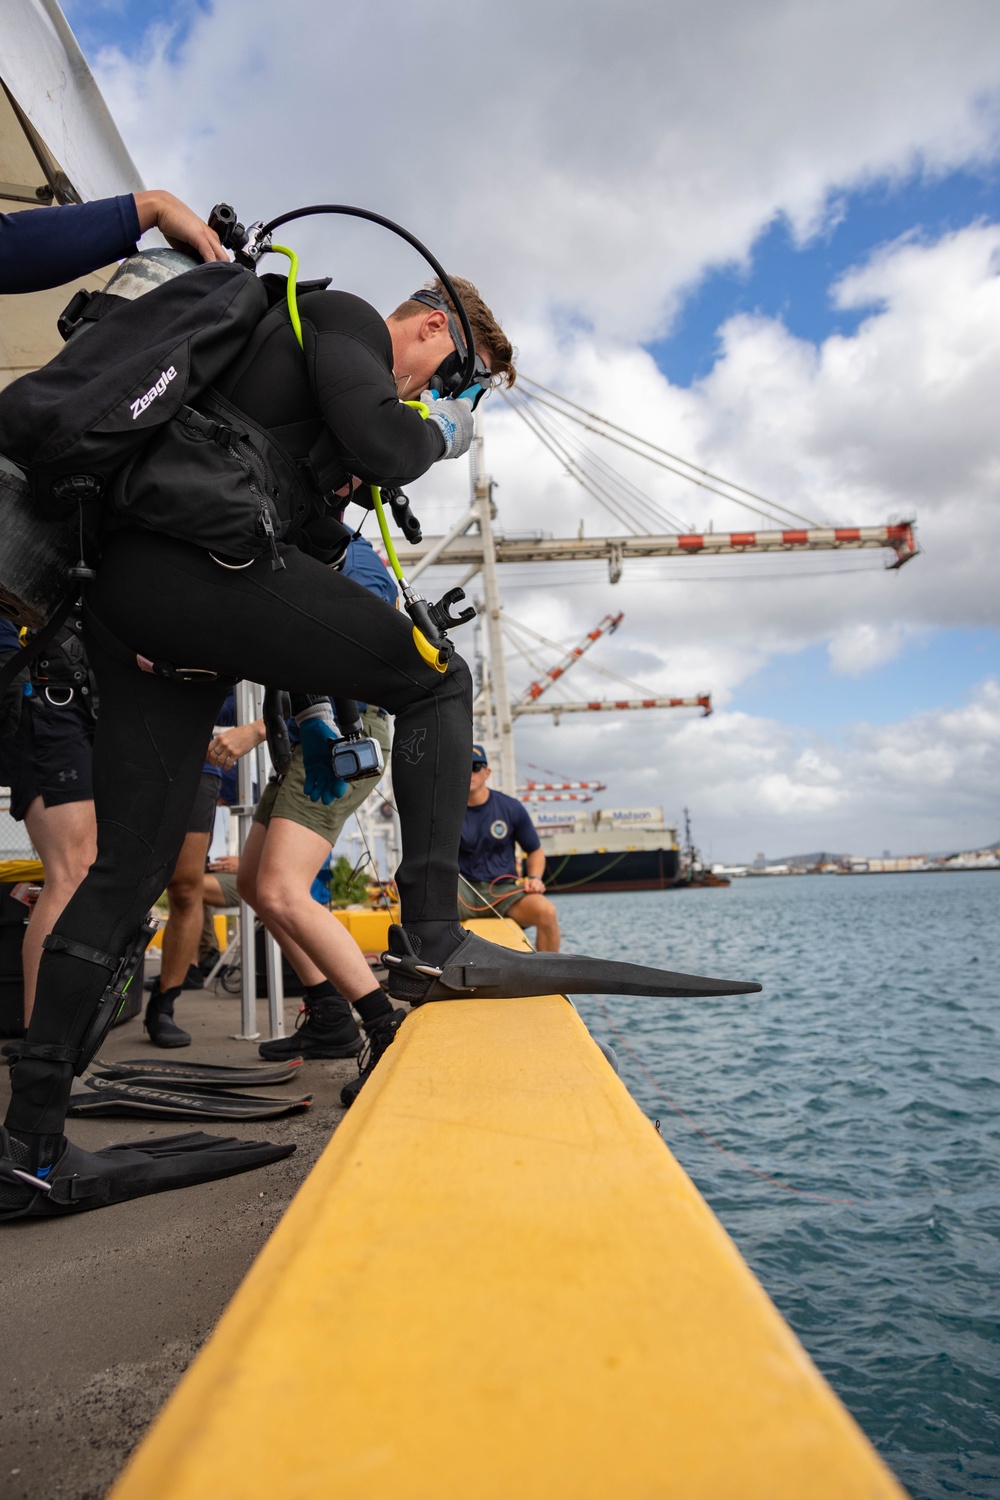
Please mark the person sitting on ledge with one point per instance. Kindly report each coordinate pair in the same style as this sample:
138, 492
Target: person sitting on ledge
490, 886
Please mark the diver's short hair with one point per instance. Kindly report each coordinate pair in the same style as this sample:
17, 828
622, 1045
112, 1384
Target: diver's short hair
489, 337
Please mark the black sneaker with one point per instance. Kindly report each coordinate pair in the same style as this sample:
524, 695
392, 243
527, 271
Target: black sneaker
323, 1028
379, 1039
159, 1022
207, 962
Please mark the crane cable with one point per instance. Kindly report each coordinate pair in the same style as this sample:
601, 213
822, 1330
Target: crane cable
706, 473
630, 493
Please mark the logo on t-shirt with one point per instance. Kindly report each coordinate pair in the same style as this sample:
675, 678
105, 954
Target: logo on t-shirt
499, 829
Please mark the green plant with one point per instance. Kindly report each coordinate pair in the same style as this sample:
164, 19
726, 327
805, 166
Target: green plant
347, 885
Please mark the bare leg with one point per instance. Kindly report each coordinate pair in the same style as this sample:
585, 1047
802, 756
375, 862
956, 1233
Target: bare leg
538, 912
180, 936
247, 887
66, 839
288, 863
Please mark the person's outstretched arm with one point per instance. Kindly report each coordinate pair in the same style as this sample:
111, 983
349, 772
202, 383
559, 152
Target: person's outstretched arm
46, 247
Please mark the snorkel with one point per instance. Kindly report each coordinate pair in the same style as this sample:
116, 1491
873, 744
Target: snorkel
459, 373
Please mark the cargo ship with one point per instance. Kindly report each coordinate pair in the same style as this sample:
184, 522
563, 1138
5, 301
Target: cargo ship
614, 849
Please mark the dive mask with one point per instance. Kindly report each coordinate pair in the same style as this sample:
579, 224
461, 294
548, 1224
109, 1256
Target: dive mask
447, 378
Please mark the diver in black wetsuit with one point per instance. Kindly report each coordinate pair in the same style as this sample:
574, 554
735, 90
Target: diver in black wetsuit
301, 626
161, 604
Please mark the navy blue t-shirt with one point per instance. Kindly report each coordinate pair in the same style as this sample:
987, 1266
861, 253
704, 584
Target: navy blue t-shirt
489, 833
45, 247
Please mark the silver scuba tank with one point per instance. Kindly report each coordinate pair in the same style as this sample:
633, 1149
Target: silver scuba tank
149, 268
35, 554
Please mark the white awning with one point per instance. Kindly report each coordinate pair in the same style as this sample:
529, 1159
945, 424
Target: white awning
58, 144
56, 132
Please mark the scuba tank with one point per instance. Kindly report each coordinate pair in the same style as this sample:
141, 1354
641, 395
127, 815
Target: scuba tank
35, 555
136, 275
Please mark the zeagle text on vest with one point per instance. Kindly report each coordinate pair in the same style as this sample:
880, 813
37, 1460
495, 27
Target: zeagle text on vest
139, 406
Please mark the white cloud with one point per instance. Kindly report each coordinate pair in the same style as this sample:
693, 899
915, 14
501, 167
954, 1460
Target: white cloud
860, 648
926, 784
587, 164
576, 156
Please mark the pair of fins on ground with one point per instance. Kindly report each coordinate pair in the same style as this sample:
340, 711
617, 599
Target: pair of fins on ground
476, 969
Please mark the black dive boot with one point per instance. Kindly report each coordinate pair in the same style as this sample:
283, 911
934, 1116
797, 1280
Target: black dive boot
475, 968
74, 1181
324, 1028
159, 1022
381, 1035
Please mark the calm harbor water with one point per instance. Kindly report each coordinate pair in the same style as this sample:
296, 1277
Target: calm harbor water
868, 1069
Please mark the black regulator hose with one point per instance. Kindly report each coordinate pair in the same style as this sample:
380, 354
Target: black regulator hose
411, 239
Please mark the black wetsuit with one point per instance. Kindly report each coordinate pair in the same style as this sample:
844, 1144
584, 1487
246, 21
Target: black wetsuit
304, 628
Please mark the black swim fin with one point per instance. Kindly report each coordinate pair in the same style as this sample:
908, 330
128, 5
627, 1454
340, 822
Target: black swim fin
198, 1075
82, 1180
160, 1100
485, 971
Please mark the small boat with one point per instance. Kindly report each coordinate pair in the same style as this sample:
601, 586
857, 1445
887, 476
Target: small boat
693, 871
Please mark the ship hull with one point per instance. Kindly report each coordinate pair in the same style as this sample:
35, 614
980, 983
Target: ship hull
632, 870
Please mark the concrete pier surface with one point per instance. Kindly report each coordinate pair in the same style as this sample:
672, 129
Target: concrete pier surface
101, 1313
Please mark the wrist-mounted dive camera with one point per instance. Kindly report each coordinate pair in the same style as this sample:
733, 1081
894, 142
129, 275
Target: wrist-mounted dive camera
356, 756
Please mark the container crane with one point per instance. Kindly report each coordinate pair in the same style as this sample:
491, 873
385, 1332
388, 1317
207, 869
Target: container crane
464, 550
560, 791
528, 702
473, 546
607, 626
615, 705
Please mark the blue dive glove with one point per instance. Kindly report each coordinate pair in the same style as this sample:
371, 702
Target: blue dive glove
318, 740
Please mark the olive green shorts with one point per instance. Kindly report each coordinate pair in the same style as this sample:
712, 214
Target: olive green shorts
478, 898
227, 885
287, 798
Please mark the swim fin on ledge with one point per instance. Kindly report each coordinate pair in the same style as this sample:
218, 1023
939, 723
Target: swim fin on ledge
485, 971
81, 1180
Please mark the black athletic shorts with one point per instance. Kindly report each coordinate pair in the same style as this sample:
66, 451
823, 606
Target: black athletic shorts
50, 755
202, 819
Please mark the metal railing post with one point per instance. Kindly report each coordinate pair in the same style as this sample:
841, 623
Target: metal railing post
246, 713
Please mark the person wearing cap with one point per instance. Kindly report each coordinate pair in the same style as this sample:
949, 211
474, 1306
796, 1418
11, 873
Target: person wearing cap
489, 883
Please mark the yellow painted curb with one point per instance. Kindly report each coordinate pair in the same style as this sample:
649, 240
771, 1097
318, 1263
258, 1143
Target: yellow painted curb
498, 1284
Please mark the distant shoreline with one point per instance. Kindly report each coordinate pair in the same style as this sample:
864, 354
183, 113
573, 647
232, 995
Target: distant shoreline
941, 870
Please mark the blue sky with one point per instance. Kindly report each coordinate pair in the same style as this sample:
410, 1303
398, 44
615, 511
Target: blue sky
793, 282
124, 23
936, 670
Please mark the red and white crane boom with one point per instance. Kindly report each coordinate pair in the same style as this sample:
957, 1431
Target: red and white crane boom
607, 626
615, 705
467, 550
